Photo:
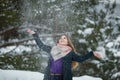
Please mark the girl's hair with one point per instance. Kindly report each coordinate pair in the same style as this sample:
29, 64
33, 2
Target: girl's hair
74, 64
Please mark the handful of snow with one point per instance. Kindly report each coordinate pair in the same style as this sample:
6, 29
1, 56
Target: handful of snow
101, 51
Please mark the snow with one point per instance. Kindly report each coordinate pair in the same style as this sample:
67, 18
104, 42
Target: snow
113, 46
112, 1
116, 74
79, 31
102, 30
17, 49
100, 7
7, 49
117, 54
51, 1
118, 1
118, 38
29, 75
20, 75
82, 41
85, 77
110, 44
90, 21
88, 31
101, 50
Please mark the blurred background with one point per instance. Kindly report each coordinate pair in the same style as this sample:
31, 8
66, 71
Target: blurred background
92, 25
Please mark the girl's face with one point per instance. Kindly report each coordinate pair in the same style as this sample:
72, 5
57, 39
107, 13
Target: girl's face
63, 40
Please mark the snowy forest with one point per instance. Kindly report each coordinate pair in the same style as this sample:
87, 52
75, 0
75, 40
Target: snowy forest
91, 24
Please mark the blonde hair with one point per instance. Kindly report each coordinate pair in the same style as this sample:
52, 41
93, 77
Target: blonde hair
74, 63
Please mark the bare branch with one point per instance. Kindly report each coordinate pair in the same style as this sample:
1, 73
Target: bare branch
25, 40
9, 30
14, 43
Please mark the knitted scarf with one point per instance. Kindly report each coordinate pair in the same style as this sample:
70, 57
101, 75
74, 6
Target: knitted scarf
60, 51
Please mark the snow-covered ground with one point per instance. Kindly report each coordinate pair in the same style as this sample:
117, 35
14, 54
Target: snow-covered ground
28, 75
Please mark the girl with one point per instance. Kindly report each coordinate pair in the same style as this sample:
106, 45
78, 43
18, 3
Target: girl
62, 58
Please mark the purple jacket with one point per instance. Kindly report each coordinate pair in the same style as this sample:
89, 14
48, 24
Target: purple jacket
56, 66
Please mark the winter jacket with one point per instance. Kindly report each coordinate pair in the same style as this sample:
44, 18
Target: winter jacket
66, 60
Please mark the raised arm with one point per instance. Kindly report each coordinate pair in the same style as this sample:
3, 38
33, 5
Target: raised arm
39, 42
78, 58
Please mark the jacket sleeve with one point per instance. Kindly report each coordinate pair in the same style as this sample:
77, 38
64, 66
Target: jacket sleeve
40, 44
78, 58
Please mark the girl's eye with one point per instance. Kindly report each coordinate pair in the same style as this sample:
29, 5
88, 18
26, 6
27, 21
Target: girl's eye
64, 37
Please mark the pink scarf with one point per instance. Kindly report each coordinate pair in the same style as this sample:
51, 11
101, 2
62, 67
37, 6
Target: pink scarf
60, 51
65, 49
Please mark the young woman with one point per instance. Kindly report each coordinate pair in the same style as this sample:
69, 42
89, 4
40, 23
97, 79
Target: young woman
62, 56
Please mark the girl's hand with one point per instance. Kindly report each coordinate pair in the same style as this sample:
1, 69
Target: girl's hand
97, 54
30, 31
